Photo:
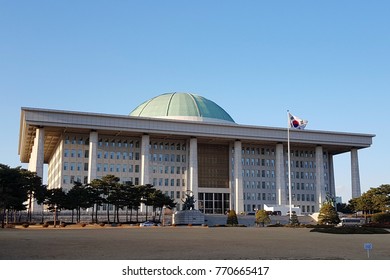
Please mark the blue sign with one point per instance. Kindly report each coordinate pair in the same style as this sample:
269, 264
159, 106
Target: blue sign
367, 246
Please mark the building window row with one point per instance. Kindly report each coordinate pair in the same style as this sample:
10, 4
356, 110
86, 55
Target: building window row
259, 185
118, 168
259, 196
169, 182
168, 169
76, 140
168, 158
75, 166
114, 143
118, 155
256, 151
257, 173
302, 186
73, 153
168, 146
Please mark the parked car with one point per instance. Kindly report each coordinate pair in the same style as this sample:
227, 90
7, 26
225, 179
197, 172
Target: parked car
149, 224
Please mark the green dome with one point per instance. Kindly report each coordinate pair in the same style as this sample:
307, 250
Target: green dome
182, 106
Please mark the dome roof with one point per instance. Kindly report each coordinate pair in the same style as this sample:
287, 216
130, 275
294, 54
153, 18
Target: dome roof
182, 106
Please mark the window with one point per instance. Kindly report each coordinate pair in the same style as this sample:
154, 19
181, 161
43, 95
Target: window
79, 153
66, 153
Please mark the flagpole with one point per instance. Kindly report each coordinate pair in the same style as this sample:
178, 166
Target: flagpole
289, 162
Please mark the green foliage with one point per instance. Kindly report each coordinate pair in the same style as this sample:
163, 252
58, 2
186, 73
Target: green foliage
262, 218
381, 218
17, 186
232, 218
374, 200
328, 215
294, 220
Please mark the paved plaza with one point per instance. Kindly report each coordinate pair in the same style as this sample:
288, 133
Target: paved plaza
185, 243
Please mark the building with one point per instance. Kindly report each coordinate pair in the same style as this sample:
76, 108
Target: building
182, 142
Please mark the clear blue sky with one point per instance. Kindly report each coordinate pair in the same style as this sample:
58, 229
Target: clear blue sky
325, 61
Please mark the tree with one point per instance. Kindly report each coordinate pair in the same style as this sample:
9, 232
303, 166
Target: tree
11, 193
79, 197
293, 221
32, 184
262, 217
103, 188
159, 200
232, 218
372, 201
55, 199
328, 215
146, 194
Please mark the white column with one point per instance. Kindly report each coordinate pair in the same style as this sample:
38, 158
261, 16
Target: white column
92, 160
320, 180
193, 169
280, 175
355, 176
238, 184
37, 159
37, 155
145, 153
332, 183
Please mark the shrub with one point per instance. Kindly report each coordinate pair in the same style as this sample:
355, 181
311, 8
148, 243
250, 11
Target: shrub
232, 218
293, 221
328, 215
381, 218
102, 224
45, 225
83, 224
25, 225
62, 224
262, 218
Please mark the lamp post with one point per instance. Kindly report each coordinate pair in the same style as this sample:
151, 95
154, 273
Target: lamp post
163, 215
55, 215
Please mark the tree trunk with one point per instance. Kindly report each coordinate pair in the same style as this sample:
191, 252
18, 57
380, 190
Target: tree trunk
29, 215
96, 214
108, 213
2, 217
